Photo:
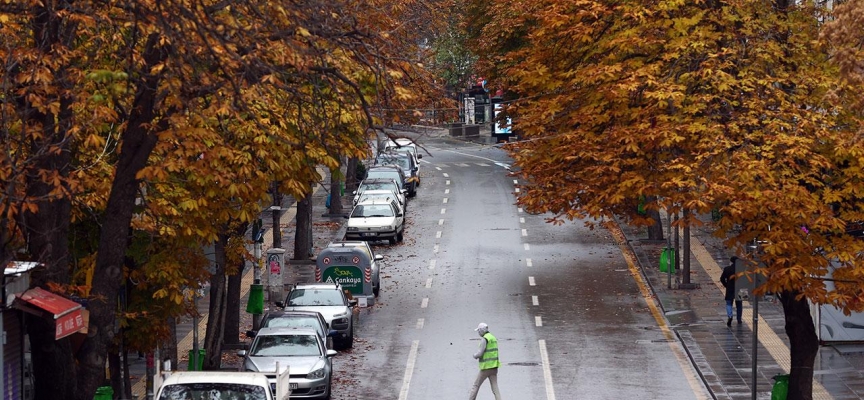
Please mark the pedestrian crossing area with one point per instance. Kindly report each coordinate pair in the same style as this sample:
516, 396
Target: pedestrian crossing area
461, 164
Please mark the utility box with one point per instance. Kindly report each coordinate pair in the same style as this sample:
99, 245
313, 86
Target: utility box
349, 267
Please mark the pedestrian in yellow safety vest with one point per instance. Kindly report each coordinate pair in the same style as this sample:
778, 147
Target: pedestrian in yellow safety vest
488, 357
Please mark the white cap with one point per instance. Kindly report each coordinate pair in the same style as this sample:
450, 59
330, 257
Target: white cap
482, 327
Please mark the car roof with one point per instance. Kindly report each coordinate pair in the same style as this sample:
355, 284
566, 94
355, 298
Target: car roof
304, 313
319, 285
242, 378
383, 167
379, 180
376, 201
348, 243
282, 331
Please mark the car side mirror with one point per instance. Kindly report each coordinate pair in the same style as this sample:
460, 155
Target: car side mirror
331, 353
241, 353
352, 302
251, 334
378, 257
354, 192
279, 304
404, 191
419, 156
332, 333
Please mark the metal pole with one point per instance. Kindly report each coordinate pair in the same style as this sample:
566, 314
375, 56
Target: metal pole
256, 275
755, 341
195, 335
669, 254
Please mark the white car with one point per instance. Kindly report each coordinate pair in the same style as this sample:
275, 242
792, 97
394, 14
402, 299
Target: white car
381, 184
376, 220
404, 145
217, 384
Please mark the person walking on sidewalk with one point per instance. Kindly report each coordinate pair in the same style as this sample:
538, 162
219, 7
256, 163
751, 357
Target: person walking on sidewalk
728, 280
488, 356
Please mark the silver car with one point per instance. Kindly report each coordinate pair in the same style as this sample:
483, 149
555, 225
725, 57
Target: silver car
302, 351
381, 184
329, 300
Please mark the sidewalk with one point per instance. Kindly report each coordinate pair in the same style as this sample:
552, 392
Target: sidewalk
324, 230
723, 355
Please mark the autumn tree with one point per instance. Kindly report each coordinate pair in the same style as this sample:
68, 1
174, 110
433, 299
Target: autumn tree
730, 106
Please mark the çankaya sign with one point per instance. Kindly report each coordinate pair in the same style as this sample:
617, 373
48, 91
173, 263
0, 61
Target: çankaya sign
349, 267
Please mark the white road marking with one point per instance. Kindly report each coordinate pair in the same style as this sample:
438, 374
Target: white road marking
482, 164
438, 168
521, 220
438, 235
527, 247
409, 370
528, 262
535, 300
500, 164
538, 321
520, 209
547, 372
429, 283
446, 191
435, 249
530, 281
447, 183
446, 175
441, 221
515, 182
462, 165
424, 303
443, 210
445, 200
524, 232
517, 190
420, 323
432, 264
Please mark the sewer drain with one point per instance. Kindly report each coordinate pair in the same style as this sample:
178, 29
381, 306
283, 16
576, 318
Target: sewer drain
645, 341
524, 364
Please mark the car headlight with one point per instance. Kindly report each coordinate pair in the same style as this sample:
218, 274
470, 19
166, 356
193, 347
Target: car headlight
317, 373
353, 229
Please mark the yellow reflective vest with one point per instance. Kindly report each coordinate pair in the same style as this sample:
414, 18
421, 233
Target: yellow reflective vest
489, 359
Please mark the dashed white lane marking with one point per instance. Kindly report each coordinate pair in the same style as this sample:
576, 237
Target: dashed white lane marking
547, 371
445, 200
528, 262
515, 182
521, 220
535, 300
517, 190
435, 249
432, 264
462, 165
429, 283
482, 164
519, 209
524, 232
530, 281
447, 183
443, 210
446, 191
409, 370
441, 222
446, 175
527, 247
538, 321
424, 303
438, 235
438, 168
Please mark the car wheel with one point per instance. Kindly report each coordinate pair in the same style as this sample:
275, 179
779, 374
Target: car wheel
349, 342
376, 290
392, 240
400, 236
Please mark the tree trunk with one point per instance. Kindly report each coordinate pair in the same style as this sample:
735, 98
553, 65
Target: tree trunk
232, 307
115, 369
351, 182
336, 192
168, 349
655, 231
276, 215
216, 311
139, 139
804, 345
303, 238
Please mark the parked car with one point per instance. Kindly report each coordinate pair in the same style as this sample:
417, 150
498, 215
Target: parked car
409, 168
214, 384
296, 319
376, 265
330, 300
404, 145
380, 184
302, 350
393, 172
376, 220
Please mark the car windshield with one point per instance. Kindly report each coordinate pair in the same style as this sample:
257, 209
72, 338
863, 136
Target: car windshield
375, 174
378, 186
403, 162
284, 321
372, 210
213, 391
285, 346
405, 149
375, 196
315, 297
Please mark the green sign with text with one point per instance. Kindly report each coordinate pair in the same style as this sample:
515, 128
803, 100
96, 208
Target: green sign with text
351, 278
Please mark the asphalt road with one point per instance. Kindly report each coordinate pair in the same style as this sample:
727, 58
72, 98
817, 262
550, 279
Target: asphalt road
569, 311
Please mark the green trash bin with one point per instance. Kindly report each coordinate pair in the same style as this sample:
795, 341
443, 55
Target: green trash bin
104, 393
781, 387
200, 366
667, 257
255, 305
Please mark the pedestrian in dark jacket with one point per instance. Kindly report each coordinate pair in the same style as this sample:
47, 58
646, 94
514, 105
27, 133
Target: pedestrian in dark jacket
728, 280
